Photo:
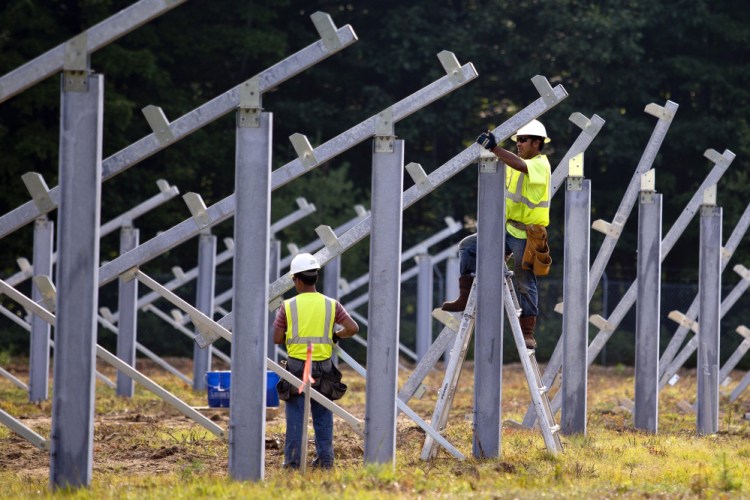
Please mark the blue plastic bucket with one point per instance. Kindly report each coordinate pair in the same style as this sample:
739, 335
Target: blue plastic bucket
218, 388
219, 384
272, 397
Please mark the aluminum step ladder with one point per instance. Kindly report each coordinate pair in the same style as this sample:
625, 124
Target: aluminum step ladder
550, 430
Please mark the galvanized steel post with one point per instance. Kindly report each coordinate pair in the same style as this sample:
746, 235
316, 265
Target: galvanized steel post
709, 290
77, 277
488, 340
424, 304
247, 424
385, 296
647, 308
575, 333
128, 325
39, 350
204, 302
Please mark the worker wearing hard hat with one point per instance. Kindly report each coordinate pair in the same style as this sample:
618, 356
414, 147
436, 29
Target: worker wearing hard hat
527, 195
309, 318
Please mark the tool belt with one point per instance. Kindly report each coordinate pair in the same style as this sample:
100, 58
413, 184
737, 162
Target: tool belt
536, 257
327, 379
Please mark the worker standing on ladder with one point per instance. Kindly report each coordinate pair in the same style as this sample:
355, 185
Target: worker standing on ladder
527, 195
309, 318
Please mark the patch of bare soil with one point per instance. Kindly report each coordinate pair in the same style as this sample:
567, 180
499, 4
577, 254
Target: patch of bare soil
157, 439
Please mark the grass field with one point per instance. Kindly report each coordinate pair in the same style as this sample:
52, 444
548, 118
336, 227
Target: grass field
143, 448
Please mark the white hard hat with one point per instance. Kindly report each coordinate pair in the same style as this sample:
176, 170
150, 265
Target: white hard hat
303, 262
534, 127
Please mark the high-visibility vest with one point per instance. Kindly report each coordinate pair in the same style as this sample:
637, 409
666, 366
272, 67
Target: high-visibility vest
527, 195
309, 319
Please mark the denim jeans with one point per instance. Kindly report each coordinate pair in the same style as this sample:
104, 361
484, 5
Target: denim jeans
523, 280
322, 425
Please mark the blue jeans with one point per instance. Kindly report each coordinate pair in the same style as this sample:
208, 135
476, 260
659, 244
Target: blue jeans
322, 424
523, 280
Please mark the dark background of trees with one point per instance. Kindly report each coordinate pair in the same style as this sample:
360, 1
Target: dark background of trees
613, 58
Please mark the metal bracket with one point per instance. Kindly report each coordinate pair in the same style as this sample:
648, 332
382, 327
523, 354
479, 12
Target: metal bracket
487, 162
575, 173
303, 204
613, 230
684, 321
580, 120
178, 273
710, 210
327, 30
453, 224
344, 287
25, 266
648, 186
47, 290
451, 66
248, 114
742, 271
304, 150
106, 313
709, 196
39, 191
129, 275
293, 249
450, 320
164, 186
726, 158
744, 331
329, 239
659, 112
175, 313
685, 406
159, 124
275, 303
545, 89
197, 208
420, 392
574, 183
384, 132
361, 211
204, 337
725, 254
420, 178
76, 64
601, 323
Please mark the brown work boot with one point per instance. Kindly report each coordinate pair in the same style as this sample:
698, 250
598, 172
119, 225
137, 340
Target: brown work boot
527, 328
464, 287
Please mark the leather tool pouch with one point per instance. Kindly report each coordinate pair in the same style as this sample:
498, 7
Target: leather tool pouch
327, 380
536, 255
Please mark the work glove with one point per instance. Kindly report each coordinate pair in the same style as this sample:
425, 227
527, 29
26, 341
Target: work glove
335, 338
487, 140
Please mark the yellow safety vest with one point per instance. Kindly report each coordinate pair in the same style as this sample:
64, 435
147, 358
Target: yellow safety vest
527, 195
309, 318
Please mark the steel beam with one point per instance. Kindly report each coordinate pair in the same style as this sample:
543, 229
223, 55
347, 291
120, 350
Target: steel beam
488, 341
648, 312
384, 313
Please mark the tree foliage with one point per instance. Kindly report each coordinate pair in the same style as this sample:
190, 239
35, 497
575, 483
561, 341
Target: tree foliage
612, 56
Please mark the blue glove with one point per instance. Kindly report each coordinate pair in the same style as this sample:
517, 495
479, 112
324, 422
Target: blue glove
487, 140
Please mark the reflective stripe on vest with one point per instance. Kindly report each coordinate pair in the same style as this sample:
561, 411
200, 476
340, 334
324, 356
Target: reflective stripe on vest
518, 197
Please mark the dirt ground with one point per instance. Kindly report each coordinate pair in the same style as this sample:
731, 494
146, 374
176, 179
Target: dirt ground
146, 436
